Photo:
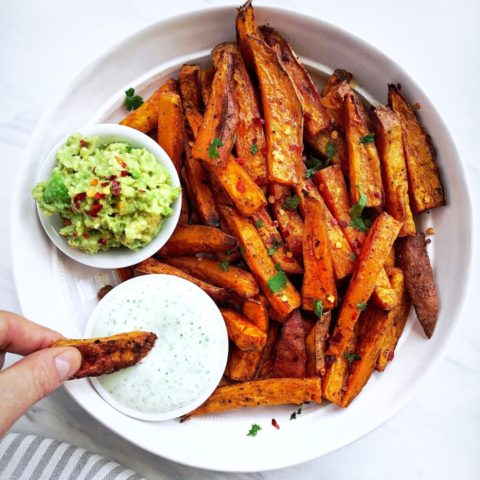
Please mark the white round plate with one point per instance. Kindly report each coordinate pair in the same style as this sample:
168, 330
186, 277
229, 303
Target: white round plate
115, 257
60, 294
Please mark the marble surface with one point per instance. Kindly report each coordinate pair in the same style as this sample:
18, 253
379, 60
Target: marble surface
44, 44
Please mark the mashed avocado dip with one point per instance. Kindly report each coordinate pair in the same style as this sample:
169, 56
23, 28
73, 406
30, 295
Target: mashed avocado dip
108, 195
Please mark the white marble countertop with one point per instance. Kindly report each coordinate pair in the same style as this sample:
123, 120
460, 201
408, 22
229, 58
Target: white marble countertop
44, 44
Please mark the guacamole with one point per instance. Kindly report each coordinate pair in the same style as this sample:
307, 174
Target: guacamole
108, 195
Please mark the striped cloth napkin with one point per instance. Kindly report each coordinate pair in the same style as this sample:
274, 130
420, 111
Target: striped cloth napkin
29, 457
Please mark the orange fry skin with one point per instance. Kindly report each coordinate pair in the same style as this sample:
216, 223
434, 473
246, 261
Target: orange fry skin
109, 354
246, 336
372, 258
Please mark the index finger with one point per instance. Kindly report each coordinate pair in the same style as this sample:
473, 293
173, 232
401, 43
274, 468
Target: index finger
21, 336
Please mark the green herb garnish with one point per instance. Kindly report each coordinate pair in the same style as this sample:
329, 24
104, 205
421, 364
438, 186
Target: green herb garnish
258, 223
331, 150
370, 138
292, 202
253, 149
132, 101
213, 149
362, 306
318, 308
274, 247
351, 356
360, 224
293, 416
357, 209
224, 265
278, 281
254, 429
352, 256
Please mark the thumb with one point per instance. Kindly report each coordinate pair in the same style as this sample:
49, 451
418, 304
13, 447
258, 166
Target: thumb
32, 378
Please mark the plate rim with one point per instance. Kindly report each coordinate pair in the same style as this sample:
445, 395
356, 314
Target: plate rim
394, 407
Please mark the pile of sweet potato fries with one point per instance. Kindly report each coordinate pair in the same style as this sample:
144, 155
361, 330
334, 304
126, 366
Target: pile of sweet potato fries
297, 218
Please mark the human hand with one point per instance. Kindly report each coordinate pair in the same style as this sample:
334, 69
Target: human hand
41, 371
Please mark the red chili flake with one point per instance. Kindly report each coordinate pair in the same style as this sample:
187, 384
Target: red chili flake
334, 221
240, 161
83, 144
115, 187
286, 234
296, 148
123, 173
79, 197
275, 424
105, 184
391, 355
85, 235
241, 186
99, 195
75, 234
67, 222
102, 241
141, 190
264, 150
112, 177
258, 122
343, 223
96, 207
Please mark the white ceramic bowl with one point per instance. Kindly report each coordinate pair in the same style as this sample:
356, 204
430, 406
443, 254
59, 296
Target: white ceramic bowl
155, 290
122, 256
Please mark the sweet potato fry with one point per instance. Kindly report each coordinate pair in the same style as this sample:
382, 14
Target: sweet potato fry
267, 362
342, 255
316, 346
336, 78
170, 133
399, 316
192, 239
205, 79
240, 188
331, 144
244, 334
109, 354
316, 117
190, 86
152, 266
245, 26
199, 191
250, 144
412, 258
375, 250
145, 117
275, 391
283, 116
289, 221
336, 374
333, 101
274, 243
281, 294
124, 274
390, 147
425, 186
229, 277
318, 280
255, 310
215, 139
363, 161
332, 187
290, 354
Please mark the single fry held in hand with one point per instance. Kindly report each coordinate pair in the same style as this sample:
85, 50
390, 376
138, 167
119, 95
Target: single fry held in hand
299, 217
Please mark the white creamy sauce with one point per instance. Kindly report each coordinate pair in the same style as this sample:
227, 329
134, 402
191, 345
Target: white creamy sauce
181, 366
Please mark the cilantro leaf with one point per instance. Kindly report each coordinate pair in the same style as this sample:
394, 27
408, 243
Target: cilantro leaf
258, 223
331, 150
224, 265
370, 138
351, 356
352, 256
292, 202
213, 148
132, 101
254, 429
278, 281
253, 149
318, 308
293, 416
360, 224
274, 247
357, 209
362, 306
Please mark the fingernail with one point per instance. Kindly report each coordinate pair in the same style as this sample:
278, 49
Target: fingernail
65, 364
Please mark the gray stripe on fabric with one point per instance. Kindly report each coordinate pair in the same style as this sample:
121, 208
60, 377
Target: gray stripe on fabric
95, 468
26, 457
135, 476
60, 467
80, 465
47, 456
114, 473
7, 456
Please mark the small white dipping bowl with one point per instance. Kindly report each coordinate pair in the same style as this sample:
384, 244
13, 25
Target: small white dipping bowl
122, 256
191, 345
